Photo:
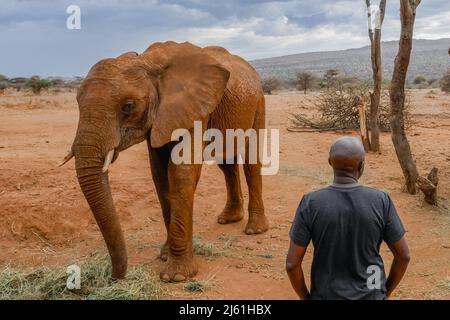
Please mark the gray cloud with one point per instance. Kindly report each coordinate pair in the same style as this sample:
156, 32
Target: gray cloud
36, 41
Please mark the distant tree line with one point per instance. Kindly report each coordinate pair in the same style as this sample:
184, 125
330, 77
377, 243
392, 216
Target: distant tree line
35, 84
305, 81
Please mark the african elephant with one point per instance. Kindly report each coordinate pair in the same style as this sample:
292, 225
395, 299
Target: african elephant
126, 100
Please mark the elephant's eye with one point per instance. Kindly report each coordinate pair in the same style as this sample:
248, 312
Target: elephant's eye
127, 108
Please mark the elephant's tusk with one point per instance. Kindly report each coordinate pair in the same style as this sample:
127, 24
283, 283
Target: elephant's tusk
66, 158
108, 160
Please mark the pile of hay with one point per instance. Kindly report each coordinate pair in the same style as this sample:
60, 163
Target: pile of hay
50, 283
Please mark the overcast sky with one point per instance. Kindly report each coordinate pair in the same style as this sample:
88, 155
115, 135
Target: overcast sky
34, 38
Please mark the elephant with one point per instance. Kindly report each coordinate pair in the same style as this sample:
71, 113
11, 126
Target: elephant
135, 97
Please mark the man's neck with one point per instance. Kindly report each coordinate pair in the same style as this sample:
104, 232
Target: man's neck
345, 180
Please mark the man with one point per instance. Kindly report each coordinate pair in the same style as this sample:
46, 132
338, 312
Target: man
347, 223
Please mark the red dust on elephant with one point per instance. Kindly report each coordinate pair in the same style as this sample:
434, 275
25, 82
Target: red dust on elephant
132, 98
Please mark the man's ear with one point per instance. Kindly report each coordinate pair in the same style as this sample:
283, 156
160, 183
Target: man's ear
329, 162
361, 168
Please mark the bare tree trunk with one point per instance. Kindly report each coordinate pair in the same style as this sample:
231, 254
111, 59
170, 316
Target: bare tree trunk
363, 126
375, 54
397, 96
429, 186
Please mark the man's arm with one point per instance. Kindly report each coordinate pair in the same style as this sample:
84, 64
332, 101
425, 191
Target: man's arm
400, 251
294, 270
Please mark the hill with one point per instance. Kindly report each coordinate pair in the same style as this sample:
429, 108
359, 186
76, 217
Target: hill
429, 58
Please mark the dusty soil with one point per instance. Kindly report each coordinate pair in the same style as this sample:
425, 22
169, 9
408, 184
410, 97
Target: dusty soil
45, 219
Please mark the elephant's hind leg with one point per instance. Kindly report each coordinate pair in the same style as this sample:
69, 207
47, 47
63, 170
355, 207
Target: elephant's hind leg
233, 210
257, 221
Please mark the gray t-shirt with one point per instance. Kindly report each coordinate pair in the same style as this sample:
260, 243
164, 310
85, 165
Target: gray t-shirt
347, 225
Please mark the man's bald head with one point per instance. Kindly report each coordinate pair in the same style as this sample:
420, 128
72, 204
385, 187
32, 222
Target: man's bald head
347, 156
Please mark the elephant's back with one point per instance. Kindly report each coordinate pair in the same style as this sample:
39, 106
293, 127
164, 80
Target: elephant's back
244, 80
244, 96
242, 73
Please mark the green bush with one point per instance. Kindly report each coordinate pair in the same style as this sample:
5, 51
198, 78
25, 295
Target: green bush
36, 84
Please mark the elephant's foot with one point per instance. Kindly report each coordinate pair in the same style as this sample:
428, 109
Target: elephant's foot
231, 213
164, 252
119, 267
179, 268
257, 223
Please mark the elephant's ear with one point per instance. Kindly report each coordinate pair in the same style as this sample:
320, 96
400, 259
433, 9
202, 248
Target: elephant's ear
191, 86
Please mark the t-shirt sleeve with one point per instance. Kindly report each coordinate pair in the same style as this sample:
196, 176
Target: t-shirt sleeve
300, 232
393, 228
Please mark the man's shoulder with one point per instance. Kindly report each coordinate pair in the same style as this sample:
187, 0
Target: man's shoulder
375, 192
366, 190
316, 193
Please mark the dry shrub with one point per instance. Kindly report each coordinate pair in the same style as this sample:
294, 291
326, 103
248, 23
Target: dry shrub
3, 87
445, 82
338, 110
270, 84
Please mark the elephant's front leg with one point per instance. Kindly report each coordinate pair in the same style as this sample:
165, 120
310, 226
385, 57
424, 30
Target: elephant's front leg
182, 184
159, 161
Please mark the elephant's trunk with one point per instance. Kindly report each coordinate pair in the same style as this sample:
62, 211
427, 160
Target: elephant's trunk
89, 162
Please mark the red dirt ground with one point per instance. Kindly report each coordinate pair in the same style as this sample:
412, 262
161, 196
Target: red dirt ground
45, 219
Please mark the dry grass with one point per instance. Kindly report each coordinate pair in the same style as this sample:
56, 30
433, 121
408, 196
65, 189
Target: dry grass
50, 283
197, 286
209, 249
324, 178
266, 255
445, 285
